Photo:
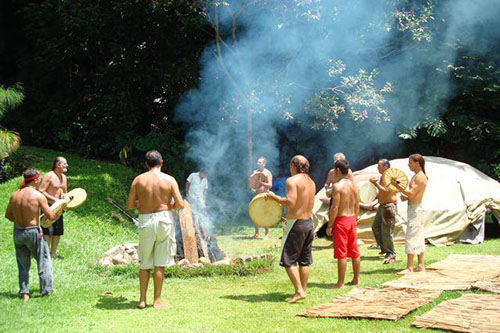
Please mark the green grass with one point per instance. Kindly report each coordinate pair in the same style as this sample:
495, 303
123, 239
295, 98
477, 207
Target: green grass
217, 303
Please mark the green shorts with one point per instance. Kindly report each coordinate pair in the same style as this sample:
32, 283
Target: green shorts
157, 245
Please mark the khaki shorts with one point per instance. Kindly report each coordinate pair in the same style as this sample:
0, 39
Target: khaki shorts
157, 245
415, 231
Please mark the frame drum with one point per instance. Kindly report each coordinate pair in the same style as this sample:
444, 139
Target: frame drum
75, 198
265, 212
367, 192
57, 208
398, 175
254, 179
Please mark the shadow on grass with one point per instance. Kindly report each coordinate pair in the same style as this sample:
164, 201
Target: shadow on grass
320, 285
269, 297
5, 294
372, 258
115, 303
383, 271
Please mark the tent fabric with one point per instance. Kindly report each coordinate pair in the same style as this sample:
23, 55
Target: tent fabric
456, 195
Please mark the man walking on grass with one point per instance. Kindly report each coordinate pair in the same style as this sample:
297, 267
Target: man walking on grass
299, 232
155, 194
342, 217
24, 210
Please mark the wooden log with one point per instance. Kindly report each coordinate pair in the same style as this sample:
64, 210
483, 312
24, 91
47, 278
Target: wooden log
188, 233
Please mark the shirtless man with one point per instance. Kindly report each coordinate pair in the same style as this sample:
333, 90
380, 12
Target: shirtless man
415, 233
23, 209
383, 224
332, 178
54, 185
342, 216
262, 187
299, 232
155, 194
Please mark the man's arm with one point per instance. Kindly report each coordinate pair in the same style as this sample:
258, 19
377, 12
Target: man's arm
45, 185
330, 178
132, 197
379, 186
290, 198
334, 207
356, 204
44, 205
179, 203
269, 182
8, 212
417, 186
65, 187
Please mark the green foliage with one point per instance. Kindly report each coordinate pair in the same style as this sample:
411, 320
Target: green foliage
10, 98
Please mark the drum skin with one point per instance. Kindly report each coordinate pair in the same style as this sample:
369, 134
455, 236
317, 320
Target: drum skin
265, 213
75, 198
367, 192
398, 175
253, 181
57, 208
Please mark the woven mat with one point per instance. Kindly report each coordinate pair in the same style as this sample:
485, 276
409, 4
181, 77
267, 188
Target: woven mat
488, 285
469, 313
456, 272
385, 303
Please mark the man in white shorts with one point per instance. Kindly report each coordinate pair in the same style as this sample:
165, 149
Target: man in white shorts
155, 194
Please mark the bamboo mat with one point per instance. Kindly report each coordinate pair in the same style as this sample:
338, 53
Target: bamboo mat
469, 313
488, 285
456, 272
385, 303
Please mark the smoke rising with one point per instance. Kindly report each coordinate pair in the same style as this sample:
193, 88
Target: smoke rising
285, 52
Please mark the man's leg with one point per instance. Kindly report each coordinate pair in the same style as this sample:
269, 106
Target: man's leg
44, 266
356, 267
304, 277
53, 247
257, 234
158, 276
293, 274
266, 236
143, 285
387, 230
421, 265
341, 267
409, 264
377, 228
23, 265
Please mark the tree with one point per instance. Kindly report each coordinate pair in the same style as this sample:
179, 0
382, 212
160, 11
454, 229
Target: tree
10, 98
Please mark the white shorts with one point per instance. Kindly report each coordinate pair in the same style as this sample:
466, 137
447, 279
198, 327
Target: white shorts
415, 232
157, 245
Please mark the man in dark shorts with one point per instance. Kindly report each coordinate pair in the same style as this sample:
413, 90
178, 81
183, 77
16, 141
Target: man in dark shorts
23, 209
299, 232
342, 216
53, 186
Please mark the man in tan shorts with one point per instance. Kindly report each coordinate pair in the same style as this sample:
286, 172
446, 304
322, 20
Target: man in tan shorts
415, 232
262, 186
53, 186
24, 210
299, 231
155, 194
342, 219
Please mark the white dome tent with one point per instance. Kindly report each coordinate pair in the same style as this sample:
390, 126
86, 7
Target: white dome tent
456, 196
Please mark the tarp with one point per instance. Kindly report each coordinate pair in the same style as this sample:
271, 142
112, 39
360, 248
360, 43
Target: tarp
456, 195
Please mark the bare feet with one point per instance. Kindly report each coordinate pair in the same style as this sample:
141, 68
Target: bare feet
336, 286
141, 305
297, 297
159, 304
256, 236
354, 283
405, 271
266, 237
420, 269
25, 297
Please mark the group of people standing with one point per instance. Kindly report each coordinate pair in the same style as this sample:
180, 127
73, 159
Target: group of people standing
343, 200
30, 239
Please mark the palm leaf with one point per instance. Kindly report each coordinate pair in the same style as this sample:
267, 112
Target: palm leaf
10, 97
9, 142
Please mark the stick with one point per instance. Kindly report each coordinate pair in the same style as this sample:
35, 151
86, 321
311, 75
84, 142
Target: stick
123, 211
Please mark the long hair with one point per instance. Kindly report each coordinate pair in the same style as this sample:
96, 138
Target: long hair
420, 159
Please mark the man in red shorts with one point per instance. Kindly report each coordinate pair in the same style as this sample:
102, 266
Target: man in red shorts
342, 216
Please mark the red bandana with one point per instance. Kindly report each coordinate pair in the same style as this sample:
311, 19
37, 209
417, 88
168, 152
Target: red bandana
28, 179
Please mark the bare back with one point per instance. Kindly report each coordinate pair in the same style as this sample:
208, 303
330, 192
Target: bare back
301, 190
345, 198
154, 191
24, 207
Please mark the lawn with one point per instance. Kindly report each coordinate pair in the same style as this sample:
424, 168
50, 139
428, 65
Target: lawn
220, 304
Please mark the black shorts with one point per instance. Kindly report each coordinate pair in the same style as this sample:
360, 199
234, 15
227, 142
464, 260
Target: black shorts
298, 245
56, 229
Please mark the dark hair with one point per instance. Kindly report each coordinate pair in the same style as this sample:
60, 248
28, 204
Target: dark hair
385, 162
28, 174
56, 160
300, 163
420, 159
343, 166
153, 158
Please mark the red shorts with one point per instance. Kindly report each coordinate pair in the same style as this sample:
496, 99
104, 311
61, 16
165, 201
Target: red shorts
345, 238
